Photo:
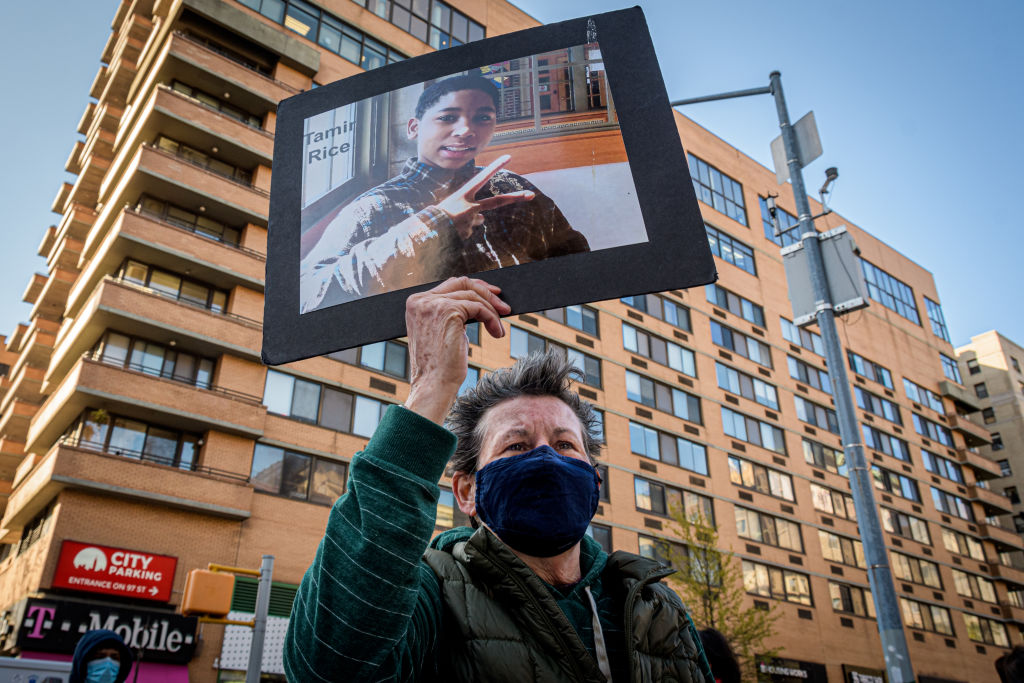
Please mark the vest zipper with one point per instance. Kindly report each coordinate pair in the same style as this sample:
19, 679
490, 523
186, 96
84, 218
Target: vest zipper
551, 627
651, 576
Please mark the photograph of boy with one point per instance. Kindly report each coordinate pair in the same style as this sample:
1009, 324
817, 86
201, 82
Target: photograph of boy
442, 215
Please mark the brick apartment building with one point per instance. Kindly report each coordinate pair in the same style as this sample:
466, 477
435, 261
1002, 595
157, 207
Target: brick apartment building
135, 414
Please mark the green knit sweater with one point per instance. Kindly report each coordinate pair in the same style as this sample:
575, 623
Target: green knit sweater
369, 608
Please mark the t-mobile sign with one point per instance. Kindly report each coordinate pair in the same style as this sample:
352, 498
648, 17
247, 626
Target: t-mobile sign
115, 571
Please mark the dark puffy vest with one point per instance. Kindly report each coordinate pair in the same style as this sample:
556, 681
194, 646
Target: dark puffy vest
503, 626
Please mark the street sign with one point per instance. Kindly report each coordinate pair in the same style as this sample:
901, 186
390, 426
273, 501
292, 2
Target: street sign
115, 571
808, 146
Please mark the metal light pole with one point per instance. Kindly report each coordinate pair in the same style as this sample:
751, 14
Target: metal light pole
890, 623
259, 627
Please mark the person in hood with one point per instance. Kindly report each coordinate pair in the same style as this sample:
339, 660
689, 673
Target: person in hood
100, 657
525, 595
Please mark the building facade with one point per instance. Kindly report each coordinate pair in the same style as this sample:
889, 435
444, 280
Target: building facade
991, 367
136, 419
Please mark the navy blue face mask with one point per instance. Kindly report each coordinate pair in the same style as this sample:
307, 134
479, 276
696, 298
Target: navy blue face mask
539, 502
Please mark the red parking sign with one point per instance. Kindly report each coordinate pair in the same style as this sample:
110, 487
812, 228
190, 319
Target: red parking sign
115, 571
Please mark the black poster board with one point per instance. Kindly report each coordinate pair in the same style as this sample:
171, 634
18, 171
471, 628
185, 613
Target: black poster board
603, 208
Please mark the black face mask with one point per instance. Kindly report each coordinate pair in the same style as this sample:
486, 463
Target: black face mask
539, 502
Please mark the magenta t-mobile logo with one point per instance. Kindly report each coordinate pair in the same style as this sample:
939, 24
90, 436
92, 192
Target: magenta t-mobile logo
39, 617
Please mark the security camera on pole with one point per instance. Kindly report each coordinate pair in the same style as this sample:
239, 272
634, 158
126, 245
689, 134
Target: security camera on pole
795, 148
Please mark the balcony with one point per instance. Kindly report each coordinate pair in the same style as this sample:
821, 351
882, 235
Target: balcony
175, 179
12, 454
1001, 537
983, 467
206, 66
49, 237
993, 503
14, 421
964, 400
35, 285
175, 247
203, 490
54, 294
139, 395
974, 435
1012, 612
144, 313
1010, 574
60, 201
64, 255
182, 117
25, 385
78, 220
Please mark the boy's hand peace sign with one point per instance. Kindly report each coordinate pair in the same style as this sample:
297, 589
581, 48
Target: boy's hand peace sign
463, 207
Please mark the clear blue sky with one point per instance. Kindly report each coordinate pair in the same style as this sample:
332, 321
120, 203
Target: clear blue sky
918, 103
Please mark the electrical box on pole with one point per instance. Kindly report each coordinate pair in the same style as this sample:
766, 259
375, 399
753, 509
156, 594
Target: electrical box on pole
842, 269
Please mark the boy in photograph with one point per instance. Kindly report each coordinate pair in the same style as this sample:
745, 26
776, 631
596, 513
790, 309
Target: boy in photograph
442, 216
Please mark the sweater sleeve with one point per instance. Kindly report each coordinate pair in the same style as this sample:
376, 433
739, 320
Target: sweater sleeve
368, 608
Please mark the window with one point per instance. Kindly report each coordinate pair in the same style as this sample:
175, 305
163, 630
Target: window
950, 369
876, 405
833, 502
841, 549
962, 544
988, 415
659, 350
582, 318
952, 505
298, 476
203, 160
760, 478
937, 319
188, 220
773, 582
524, 343
823, 457
932, 430
916, 570
388, 357
739, 343
173, 286
879, 441
661, 308
153, 359
448, 514
602, 534
997, 441
37, 527
472, 377
735, 304
892, 293
905, 525
747, 386
662, 397
808, 374
603, 495
757, 526
215, 103
973, 586
786, 221
869, 369
332, 34
918, 394
1014, 362
473, 332
718, 190
133, 439
753, 431
667, 448
943, 467
896, 484
802, 337
320, 404
599, 432
814, 414
972, 366
665, 500
927, 617
982, 630
847, 599
731, 250
667, 553
1004, 468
